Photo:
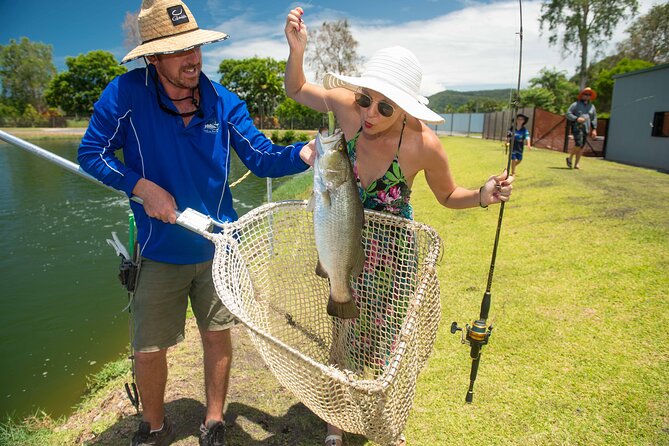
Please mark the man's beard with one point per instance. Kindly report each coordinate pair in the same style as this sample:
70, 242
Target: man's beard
183, 82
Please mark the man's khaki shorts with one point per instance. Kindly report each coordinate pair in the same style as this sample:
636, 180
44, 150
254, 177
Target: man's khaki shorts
161, 298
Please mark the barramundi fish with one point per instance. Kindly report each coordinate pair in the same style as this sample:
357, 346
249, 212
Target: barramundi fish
338, 222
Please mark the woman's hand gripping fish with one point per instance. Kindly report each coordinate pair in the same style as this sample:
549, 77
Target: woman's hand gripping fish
338, 222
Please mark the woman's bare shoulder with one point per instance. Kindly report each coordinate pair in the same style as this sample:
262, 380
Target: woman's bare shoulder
429, 139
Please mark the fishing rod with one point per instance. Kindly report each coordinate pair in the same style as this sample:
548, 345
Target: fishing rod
188, 218
478, 334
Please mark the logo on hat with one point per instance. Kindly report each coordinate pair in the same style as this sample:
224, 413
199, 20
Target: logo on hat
177, 15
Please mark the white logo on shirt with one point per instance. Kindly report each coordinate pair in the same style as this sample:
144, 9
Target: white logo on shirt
212, 126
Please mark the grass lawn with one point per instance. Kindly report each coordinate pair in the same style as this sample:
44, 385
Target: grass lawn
578, 354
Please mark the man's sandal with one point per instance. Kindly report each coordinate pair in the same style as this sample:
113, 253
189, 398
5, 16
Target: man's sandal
331, 440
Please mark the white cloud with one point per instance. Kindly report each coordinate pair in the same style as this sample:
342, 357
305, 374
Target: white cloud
470, 49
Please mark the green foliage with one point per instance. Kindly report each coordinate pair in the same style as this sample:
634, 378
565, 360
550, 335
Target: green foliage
551, 91
538, 97
450, 101
604, 84
25, 71
584, 25
301, 137
649, 36
288, 137
30, 117
481, 105
76, 90
257, 81
108, 373
9, 115
595, 68
33, 431
292, 114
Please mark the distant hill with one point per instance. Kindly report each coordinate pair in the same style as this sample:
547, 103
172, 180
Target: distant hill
439, 101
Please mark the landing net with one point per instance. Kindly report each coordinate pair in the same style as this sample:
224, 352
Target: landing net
360, 374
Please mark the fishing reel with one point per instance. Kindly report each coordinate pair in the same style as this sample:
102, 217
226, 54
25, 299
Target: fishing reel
475, 335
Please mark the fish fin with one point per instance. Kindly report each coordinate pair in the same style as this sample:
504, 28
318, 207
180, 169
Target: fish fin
311, 204
359, 262
326, 198
346, 310
320, 271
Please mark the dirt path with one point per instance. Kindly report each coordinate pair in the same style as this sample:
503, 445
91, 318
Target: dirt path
259, 411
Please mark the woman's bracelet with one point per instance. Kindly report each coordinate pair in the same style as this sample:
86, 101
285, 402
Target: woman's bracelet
480, 198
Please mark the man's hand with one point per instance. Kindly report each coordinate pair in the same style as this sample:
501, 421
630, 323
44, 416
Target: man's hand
308, 152
158, 203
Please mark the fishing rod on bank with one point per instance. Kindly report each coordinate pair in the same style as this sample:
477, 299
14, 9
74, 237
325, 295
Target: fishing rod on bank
478, 334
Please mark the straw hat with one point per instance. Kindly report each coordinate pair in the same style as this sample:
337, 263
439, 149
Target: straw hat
166, 27
396, 74
593, 93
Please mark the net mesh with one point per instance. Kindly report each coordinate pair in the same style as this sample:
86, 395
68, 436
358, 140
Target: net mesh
360, 374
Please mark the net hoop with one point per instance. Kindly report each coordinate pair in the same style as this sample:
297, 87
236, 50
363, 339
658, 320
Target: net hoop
359, 377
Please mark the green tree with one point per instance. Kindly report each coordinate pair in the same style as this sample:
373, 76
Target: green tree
333, 48
539, 97
556, 83
649, 36
25, 71
293, 115
480, 105
585, 25
76, 90
604, 84
257, 81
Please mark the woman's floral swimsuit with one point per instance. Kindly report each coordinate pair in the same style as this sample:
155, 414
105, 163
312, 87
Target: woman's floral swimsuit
389, 273
390, 193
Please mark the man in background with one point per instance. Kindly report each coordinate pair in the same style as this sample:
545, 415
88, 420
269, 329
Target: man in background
583, 118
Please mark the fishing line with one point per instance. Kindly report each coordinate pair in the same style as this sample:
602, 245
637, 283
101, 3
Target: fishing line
478, 334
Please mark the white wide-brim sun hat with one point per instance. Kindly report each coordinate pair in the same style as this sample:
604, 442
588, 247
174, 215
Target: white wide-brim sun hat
167, 27
396, 74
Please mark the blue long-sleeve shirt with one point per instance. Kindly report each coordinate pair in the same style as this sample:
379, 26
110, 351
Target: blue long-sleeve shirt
191, 162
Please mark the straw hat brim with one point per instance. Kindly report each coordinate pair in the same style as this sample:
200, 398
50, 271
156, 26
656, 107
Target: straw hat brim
175, 43
406, 101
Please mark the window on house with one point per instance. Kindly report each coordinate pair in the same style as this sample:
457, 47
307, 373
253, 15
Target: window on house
661, 124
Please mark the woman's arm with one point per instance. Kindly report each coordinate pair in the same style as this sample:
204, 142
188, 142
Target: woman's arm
448, 193
297, 87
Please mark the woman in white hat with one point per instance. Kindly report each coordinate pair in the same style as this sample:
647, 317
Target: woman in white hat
383, 118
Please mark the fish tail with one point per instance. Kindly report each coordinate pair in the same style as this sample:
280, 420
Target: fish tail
346, 310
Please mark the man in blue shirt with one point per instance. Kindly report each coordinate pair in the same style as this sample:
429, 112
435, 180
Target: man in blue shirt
177, 129
583, 118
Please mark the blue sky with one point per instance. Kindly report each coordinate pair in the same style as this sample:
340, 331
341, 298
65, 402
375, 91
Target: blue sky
462, 44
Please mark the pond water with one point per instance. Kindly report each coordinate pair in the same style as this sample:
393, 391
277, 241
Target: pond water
61, 310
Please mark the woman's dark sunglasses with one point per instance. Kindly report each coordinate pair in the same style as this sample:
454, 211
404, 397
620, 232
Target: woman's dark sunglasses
364, 101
